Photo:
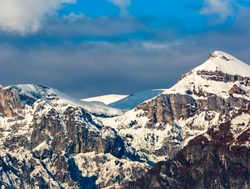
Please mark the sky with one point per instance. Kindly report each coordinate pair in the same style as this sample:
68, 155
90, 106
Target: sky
95, 47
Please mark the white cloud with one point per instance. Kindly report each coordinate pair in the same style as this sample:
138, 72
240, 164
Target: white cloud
25, 16
155, 46
160, 46
222, 8
123, 5
74, 17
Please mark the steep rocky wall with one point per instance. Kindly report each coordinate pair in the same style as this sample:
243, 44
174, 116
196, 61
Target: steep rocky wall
9, 102
67, 133
169, 107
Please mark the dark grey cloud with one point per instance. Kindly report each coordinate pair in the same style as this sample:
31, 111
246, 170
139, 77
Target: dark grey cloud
89, 68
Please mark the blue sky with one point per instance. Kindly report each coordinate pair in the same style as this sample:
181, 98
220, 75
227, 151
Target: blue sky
94, 47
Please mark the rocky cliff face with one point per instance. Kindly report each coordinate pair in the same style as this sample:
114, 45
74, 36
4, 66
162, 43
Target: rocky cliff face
48, 146
167, 108
170, 107
195, 115
10, 103
218, 158
72, 132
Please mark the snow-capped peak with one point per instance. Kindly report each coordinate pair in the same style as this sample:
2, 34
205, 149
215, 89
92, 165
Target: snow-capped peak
226, 63
220, 74
221, 54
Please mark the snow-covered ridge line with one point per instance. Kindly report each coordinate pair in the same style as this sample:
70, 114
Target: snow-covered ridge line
53, 96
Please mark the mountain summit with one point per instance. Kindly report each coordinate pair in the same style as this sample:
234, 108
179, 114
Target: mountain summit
220, 74
226, 63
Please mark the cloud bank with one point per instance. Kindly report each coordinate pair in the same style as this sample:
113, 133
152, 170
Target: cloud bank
25, 16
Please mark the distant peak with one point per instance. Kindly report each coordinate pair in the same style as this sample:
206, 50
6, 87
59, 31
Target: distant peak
221, 55
226, 63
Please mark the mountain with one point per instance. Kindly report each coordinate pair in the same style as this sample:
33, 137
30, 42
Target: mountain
210, 106
195, 134
203, 97
106, 99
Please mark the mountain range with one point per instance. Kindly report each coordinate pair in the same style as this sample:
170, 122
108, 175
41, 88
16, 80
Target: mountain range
194, 135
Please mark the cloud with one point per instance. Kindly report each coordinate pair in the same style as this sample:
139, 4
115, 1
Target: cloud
123, 5
91, 69
155, 46
25, 16
221, 8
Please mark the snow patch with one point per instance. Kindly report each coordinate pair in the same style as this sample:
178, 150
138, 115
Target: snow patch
106, 99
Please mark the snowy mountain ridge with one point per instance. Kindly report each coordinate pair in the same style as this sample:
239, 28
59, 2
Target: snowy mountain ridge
30, 93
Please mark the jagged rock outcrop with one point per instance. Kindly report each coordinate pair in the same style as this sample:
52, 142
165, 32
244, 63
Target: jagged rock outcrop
223, 77
10, 103
71, 132
168, 108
